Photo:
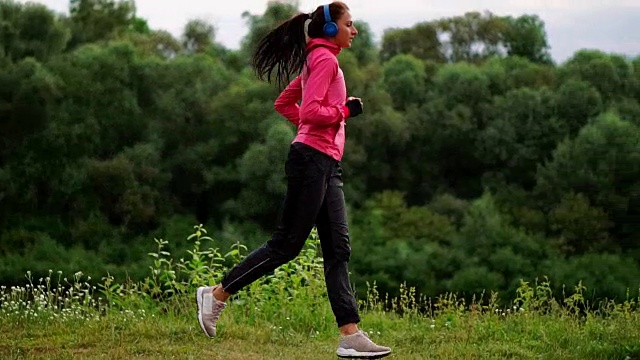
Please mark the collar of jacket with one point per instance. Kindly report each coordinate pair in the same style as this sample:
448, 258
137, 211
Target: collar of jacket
322, 42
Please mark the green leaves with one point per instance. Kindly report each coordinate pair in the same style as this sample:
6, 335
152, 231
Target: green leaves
473, 37
27, 93
611, 74
522, 133
259, 25
420, 41
526, 37
476, 162
261, 174
364, 48
404, 78
603, 163
578, 102
462, 84
30, 30
100, 20
198, 36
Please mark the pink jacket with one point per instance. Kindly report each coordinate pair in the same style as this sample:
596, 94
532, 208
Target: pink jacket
322, 114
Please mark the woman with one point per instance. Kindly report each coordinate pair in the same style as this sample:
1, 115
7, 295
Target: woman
307, 46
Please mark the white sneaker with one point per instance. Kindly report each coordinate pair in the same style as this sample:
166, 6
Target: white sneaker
209, 309
359, 346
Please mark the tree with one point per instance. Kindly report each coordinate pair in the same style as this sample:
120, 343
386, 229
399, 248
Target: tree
128, 188
522, 133
363, 46
525, 36
420, 41
472, 37
27, 95
444, 131
30, 30
514, 72
198, 36
578, 102
636, 73
98, 20
262, 176
463, 85
499, 254
419, 239
101, 98
159, 42
580, 226
611, 75
276, 13
181, 96
404, 79
603, 164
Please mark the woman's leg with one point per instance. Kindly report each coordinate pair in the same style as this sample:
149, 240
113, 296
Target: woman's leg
306, 187
336, 249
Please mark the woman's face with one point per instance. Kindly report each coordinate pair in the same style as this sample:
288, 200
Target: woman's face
346, 31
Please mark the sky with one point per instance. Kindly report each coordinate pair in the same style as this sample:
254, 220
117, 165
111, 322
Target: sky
612, 26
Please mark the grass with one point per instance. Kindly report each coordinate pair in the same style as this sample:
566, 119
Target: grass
287, 316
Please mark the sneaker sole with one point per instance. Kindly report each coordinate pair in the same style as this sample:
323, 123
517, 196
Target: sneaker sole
352, 354
199, 302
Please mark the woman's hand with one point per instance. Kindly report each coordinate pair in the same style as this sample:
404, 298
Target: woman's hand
355, 106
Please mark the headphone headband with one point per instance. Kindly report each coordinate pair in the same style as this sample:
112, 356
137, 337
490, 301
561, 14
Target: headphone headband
327, 13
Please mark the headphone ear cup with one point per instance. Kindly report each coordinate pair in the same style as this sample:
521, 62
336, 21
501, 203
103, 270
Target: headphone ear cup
330, 29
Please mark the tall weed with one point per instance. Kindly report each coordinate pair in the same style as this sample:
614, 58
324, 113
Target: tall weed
291, 299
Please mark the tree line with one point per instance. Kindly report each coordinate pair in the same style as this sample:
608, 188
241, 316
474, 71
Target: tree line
477, 163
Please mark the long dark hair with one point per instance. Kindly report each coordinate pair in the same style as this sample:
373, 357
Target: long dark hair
283, 49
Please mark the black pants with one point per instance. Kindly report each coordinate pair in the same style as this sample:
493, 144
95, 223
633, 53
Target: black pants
314, 196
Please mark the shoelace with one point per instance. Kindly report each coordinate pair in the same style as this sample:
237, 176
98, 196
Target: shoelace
365, 335
217, 309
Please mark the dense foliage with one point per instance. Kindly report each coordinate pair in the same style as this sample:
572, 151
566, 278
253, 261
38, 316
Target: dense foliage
478, 161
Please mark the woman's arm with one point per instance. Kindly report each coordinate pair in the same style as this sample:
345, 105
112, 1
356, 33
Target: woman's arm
287, 102
322, 71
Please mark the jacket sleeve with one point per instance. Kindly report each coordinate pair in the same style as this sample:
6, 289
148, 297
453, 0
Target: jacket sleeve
322, 70
287, 102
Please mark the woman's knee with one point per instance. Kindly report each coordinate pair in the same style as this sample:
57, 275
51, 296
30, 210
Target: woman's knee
285, 251
342, 252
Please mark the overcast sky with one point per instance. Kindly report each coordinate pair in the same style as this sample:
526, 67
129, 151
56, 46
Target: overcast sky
608, 25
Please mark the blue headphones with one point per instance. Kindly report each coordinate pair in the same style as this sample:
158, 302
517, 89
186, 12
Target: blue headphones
330, 28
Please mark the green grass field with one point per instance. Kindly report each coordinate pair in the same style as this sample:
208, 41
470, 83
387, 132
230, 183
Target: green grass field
467, 336
287, 316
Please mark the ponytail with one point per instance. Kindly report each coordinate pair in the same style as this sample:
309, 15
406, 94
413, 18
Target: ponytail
283, 48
